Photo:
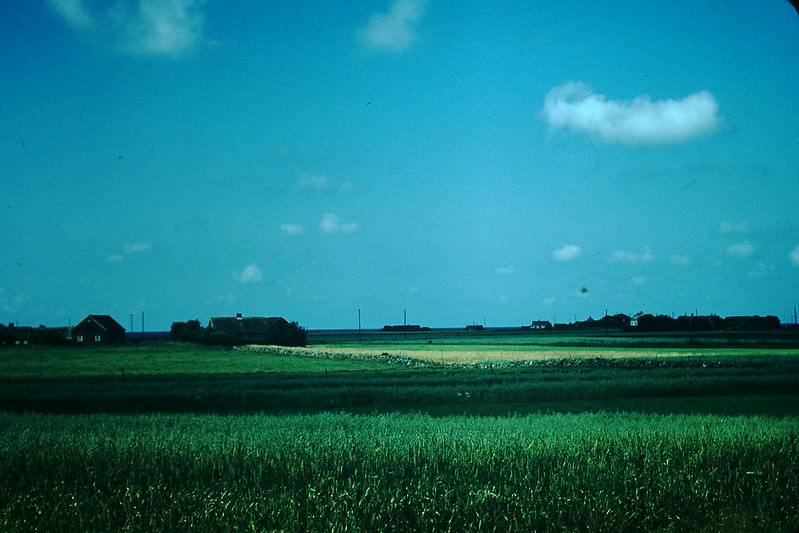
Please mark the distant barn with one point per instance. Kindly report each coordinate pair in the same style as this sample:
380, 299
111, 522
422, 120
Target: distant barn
98, 329
255, 330
405, 328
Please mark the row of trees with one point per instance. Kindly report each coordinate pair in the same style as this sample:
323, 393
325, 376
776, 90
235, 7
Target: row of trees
649, 323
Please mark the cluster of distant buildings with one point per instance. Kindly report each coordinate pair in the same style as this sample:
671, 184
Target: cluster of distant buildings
103, 329
94, 329
645, 322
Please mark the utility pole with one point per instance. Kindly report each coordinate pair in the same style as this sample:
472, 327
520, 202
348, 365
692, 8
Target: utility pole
359, 326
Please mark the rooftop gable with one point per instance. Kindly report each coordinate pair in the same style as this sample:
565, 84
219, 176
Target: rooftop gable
104, 322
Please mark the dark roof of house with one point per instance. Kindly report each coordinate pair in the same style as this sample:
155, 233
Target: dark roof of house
104, 322
256, 325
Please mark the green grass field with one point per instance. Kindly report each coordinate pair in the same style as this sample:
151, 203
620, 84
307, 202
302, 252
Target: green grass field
151, 359
167, 437
395, 472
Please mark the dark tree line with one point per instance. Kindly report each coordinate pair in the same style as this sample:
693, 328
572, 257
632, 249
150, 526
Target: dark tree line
654, 323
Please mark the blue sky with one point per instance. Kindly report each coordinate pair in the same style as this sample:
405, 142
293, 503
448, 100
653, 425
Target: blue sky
465, 161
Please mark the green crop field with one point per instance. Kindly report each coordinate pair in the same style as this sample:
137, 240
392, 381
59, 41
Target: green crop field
340, 472
662, 435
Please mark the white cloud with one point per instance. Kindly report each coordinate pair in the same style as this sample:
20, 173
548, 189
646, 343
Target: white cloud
633, 257
228, 298
331, 224
137, 27
762, 270
506, 271
794, 256
568, 252
741, 250
129, 249
734, 227
168, 27
575, 106
313, 181
250, 274
292, 229
680, 260
638, 280
395, 30
74, 13
137, 248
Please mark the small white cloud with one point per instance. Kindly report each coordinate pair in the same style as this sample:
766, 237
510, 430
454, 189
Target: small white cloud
568, 252
549, 301
313, 181
741, 250
575, 106
680, 260
633, 257
137, 27
794, 256
762, 270
227, 298
127, 250
332, 224
250, 274
292, 229
137, 248
506, 271
734, 227
164, 27
638, 280
395, 30
74, 13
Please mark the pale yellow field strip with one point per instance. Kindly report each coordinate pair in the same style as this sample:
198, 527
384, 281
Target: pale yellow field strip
450, 356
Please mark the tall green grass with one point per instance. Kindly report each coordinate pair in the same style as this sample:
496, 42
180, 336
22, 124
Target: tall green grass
341, 472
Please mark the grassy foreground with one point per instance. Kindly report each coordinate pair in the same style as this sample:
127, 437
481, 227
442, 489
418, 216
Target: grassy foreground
181, 438
340, 472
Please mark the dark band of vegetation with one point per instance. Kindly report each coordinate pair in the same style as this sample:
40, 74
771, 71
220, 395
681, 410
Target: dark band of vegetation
736, 385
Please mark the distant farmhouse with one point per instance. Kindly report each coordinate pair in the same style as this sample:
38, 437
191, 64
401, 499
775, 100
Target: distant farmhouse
539, 324
240, 330
405, 328
94, 329
13, 334
98, 329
